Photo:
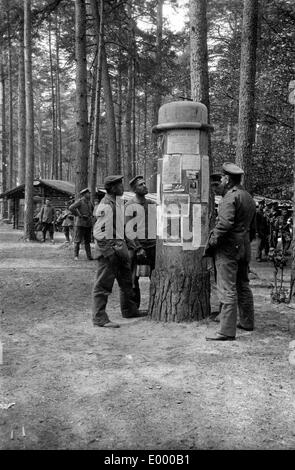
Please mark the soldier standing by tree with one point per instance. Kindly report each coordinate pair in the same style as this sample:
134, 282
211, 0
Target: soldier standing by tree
83, 210
229, 242
141, 237
112, 256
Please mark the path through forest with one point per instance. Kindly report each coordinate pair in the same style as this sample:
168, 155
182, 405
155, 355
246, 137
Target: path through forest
146, 385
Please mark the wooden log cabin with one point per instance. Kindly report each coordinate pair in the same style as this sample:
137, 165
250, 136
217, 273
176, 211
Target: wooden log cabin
59, 192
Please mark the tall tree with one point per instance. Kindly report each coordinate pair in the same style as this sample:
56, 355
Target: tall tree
21, 133
3, 137
98, 27
29, 184
54, 170
246, 126
10, 104
81, 97
157, 93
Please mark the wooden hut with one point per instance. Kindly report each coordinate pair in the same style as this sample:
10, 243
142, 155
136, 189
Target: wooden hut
59, 192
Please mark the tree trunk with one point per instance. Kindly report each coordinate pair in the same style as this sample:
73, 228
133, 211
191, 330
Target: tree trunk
21, 134
128, 167
110, 114
29, 184
180, 283
11, 178
98, 27
54, 174
246, 125
119, 118
199, 70
58, 101
157, 98
3, 137
81, 97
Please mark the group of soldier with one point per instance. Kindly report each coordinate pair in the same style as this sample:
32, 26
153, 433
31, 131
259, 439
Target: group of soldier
120, 252
273, 224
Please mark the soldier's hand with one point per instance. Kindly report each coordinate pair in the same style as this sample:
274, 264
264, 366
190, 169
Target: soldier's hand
141, 256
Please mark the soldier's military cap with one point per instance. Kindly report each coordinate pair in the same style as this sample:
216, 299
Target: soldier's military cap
215, 177
133, 180
84, 191
232, 169
112, 179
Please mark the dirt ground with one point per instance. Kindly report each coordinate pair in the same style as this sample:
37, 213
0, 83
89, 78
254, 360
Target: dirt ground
146, 385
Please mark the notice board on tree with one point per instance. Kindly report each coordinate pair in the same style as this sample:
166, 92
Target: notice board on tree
183, 184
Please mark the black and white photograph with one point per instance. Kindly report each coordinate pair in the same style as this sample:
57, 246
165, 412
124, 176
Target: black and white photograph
147, 230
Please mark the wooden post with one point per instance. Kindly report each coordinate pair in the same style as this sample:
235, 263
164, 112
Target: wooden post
180, 284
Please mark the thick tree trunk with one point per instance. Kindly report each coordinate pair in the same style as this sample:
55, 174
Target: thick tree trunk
246, 124
180, 283
81, 97
180, 286
29, 188
21, 134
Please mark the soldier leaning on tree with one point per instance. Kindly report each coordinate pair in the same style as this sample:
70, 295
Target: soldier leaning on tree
141, 236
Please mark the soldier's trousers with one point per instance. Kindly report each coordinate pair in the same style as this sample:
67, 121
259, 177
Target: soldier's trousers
80, 234
108, 270
234, 293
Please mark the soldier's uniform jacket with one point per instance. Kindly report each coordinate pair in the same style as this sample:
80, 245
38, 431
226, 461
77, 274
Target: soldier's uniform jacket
82, 209
108, 229
145, 230
47, 214
235, 225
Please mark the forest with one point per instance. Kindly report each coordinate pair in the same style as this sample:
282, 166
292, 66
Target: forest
81, 83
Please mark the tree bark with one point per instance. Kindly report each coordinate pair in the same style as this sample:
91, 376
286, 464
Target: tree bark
98, 27
110, 113
3, 136
157, 97
180, 283
29, 232
11, 178
21, 134
199, 70
54, 174
246, 124
58, 102
81, 98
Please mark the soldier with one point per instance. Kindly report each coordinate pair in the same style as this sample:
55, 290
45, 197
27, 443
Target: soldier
262, 228
47, 218
112, 255
229, 242
141, 236
82, 209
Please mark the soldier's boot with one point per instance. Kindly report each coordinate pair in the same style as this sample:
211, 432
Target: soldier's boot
88, 251
76, 250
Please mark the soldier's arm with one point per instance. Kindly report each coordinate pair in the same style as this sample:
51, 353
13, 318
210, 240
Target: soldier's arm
74, 208
225, 221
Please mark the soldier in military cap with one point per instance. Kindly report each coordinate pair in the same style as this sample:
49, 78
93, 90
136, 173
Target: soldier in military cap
140, 236
229, 243
82, 210
112, 255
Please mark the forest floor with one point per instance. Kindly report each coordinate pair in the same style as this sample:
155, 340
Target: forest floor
68, 385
